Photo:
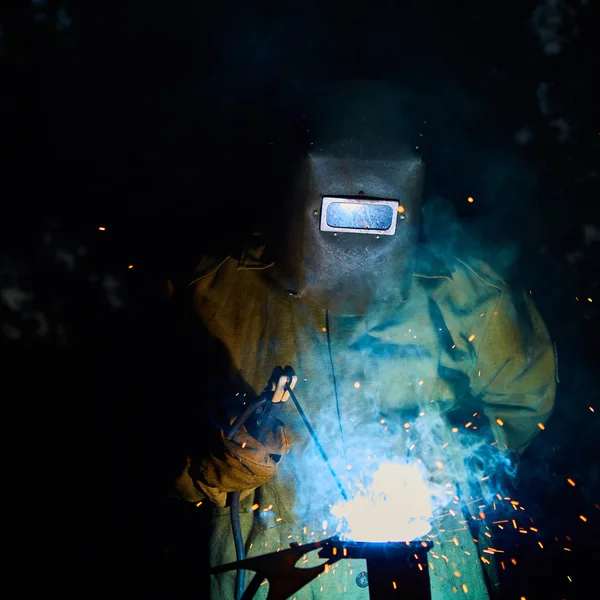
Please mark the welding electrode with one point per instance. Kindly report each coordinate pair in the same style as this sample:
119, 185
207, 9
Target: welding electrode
313, 435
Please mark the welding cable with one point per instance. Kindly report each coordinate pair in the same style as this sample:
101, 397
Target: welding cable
234, 499
250, 409
313, 435
238, 540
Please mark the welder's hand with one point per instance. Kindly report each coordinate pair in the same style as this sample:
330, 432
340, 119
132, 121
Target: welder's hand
241, 464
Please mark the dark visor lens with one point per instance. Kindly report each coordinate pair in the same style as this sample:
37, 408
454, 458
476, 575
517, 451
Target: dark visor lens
349, 215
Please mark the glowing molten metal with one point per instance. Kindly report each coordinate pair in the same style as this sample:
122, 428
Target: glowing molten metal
396, 507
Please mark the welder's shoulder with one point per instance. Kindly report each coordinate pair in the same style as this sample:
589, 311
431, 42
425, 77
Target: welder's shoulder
478, 271
474, 283
208, 266
210, 270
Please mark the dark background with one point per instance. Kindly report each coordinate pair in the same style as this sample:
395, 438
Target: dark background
162, 122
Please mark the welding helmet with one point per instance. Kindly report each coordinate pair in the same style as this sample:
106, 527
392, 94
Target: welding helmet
352, 213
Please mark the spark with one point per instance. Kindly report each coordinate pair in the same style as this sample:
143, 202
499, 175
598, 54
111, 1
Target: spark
130, 267
323, 329
357, 384
541, 426
469, 424
439, 464
255, 506
571, 481
199, 503
500, 422
541, 545
514, 523
465, 588
243, 444
421, 382
456, 573
406, 425
591, 408
401, 209
470, 199
382, 421
471, 337
584, 519
420, 566
101, 228
513, 561
589, 299
393, 582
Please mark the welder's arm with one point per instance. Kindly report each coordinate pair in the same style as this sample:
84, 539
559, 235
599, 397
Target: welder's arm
238, 464
515, 374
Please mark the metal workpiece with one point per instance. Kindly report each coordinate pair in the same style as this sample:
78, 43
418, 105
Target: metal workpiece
394, 569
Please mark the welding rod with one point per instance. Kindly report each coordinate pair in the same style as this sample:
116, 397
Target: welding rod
316, 441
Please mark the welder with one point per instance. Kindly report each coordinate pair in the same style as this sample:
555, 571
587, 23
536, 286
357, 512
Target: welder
378, 331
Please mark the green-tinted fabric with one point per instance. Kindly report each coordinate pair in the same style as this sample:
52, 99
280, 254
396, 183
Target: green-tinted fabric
460, 336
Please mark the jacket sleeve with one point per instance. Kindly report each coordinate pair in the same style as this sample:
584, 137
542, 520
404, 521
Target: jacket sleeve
515, 371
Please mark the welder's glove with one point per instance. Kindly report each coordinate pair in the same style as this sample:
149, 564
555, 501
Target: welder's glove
240, 464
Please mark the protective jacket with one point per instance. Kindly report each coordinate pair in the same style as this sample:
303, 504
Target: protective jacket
463, 359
